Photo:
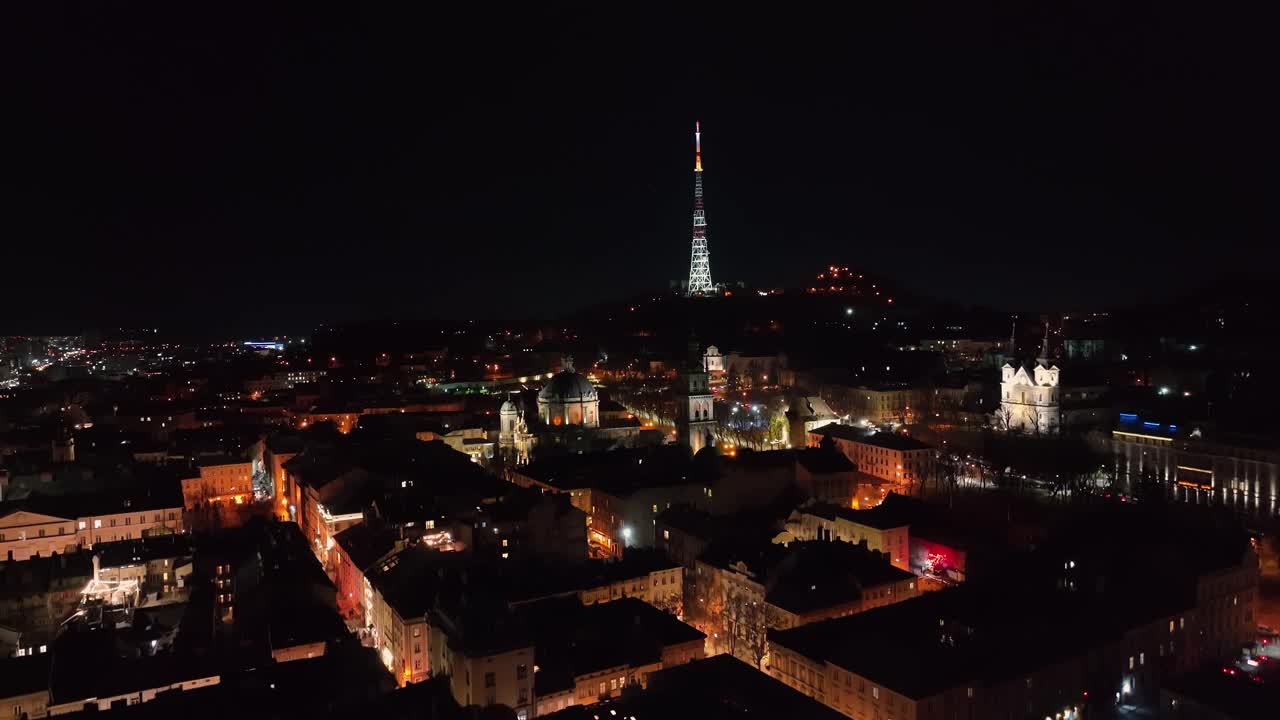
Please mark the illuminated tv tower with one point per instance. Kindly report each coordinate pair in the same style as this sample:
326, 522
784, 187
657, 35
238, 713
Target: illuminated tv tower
700, 259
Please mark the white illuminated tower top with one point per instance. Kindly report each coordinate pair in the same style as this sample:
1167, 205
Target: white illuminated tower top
700, 258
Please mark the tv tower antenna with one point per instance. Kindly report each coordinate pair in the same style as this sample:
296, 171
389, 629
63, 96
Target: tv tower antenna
700, 258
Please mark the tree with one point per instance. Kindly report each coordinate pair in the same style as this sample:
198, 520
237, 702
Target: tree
777, 431
1037, 418
1004, 418
745, 626
672, 603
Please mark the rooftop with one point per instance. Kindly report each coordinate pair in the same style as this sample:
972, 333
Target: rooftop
223, 459
805, 576
163, 496
881, 517
155, 547
22, 675
365, 545
889, 441
717, 688
573, 639
617, 471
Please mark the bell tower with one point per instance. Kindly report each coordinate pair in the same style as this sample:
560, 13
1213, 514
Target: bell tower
696, 421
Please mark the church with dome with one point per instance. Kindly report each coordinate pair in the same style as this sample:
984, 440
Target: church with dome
569, 399
568, 413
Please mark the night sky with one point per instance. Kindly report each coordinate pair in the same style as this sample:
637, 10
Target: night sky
264, 168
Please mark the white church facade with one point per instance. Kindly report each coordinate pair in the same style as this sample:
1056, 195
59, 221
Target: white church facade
1030, 402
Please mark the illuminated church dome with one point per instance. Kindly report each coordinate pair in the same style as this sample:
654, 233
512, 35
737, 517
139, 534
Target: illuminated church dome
569, 399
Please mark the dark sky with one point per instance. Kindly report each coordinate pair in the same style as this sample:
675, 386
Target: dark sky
266, 167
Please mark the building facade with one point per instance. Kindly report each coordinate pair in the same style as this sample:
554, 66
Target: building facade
893, 457
695, 405
221, 480
1030, 402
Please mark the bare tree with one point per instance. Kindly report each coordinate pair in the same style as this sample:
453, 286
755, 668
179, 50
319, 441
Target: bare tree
1037, 418
745, 625
1004, 418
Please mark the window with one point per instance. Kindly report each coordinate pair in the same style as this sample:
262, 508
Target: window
1130, 662
522, 672
431, 524
41, 532
875, 692
524, 696
1142, 658
417, 632
613, 683
604, 686
96, 524
490, 680
666, 534
968, 692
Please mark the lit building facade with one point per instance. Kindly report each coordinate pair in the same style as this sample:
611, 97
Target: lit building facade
221, 480
1031, 402
26, 533
881, 532
895, 458
696, 419
569, 399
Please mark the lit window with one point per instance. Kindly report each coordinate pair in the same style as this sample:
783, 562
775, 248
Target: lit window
875, 692
97, 524
666, 534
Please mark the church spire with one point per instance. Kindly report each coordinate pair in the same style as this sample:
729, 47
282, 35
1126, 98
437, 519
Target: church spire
1044, 345
1012, 349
